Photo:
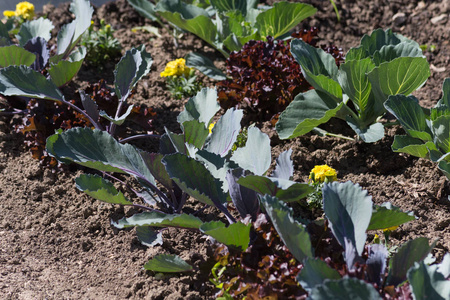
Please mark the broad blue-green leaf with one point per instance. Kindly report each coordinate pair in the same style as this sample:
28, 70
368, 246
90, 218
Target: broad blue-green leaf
204, 65
168, 263
409, 253
441, 133
188, 17
227, 5
369, 134
376, 263
282, 17
380, 38
412, 146
70, 34
148, 237
444, 266
292, 233
15, 55
62, 72
387, 215
135, 64
356, 53
355, 83
255, 156
236, 235
234, 42
89, 105
348, 208
30, 29
100, 189
201, 107
444, 166
410, 115
445, 100
98, 150
23, 81
225, 132
427, 283
156, 167
314, 272
4, 32
286, 190
38, 46
244, 199
318, 67
218, 166
172, 142
402, 75
144, 8
305, 112
157, 219
344, 289
195, 133
390, 52
118, 121
284, 168
194, 179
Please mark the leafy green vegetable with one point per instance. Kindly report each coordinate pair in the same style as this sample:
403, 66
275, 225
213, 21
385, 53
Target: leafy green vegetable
428, 130
168, 264
384, 64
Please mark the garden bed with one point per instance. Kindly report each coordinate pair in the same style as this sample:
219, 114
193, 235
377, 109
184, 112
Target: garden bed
57, 242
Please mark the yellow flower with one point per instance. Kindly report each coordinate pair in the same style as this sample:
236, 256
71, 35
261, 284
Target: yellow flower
176, 68
211, 126
25, 10
323, 173
390, 229
9, 13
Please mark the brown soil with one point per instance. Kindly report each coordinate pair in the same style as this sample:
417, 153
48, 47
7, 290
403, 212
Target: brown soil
57, 243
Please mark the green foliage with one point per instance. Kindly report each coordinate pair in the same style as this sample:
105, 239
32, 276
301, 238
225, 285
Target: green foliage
182, 87
101, 45
235, 23
167, 263
384, 64
428, 130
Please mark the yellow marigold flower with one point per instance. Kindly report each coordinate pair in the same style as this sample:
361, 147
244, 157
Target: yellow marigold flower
25, 10
9, 13
176, 68
211, 126
322, 173
390, 229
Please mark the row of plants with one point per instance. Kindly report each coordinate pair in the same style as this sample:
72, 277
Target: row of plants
266, 251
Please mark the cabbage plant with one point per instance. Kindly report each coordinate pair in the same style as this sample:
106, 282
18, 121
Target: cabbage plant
384, 64
193, 163
428, 130
226, 25
349, 213
33, 51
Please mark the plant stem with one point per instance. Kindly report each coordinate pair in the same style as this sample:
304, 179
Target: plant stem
322, 132
336, 11
139, 136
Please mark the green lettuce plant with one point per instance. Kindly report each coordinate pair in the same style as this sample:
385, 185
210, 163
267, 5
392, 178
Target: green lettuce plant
226, 25
428, 130
384, 64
